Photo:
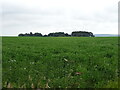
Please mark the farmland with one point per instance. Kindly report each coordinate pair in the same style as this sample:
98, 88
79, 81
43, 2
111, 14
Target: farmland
59, 62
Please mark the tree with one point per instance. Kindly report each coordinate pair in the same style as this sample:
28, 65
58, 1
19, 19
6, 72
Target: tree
37, 34
21, 34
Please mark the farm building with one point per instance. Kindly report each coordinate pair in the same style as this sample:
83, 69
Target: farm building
82, 34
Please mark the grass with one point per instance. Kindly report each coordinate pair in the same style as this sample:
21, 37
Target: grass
59, 62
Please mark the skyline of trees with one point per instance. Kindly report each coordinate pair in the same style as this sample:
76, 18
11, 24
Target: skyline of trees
61, 34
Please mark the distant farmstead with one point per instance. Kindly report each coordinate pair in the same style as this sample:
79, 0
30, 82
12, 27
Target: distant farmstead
82, 34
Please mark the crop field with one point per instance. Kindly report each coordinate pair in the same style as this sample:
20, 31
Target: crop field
60, 62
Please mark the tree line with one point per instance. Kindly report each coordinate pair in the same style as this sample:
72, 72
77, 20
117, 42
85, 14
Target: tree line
61, 34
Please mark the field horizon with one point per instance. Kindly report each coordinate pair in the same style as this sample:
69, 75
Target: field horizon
96, 35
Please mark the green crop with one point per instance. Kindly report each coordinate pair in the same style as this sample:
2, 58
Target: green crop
59, 62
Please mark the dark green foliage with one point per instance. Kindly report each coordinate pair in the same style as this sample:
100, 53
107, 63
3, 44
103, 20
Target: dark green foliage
59, 62
82, 34
58, 34
31, 34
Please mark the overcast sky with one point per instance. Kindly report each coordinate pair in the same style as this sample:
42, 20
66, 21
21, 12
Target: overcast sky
45, 16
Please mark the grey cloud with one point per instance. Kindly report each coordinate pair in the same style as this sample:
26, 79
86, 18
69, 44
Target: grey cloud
18, 18
8, 8
107, 15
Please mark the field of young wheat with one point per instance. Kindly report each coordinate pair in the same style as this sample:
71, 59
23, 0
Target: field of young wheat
59, 62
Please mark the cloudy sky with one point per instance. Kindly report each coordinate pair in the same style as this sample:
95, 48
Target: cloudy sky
45, 16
